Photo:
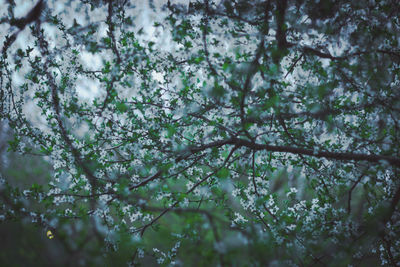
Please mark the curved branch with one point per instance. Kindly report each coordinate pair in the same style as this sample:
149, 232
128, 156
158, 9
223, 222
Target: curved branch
318, 154
298, 151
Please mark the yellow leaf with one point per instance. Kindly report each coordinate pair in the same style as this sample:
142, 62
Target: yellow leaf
50, 234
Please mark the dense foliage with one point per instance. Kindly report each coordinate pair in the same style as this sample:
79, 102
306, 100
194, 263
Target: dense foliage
231, 133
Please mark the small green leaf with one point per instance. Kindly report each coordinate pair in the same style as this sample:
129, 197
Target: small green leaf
171, 131
121, 107
223, 173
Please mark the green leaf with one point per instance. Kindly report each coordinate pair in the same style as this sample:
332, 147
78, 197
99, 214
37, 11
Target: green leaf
121, 107
223, 173
225, 66
171, 130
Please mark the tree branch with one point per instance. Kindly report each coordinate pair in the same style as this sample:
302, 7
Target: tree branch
348, 156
